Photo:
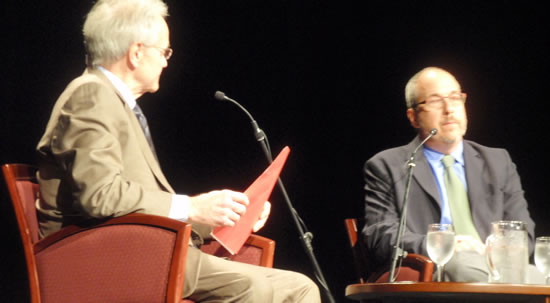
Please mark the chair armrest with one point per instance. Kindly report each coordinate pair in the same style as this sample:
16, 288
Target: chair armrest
257, 247
139, 257
414, 267
135, 218
257, 250
422, 264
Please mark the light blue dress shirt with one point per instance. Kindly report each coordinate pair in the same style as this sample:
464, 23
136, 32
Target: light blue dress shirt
434, 159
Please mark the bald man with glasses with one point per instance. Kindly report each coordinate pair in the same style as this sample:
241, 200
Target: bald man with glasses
490, 185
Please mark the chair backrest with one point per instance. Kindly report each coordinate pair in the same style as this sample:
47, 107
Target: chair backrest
23, 189
358, 250
414, 267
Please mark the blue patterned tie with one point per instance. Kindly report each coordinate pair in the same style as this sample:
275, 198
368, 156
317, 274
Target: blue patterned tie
145, 127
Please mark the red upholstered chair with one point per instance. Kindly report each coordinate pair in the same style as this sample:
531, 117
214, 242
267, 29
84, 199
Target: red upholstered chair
414, 267
257, 250
134, 258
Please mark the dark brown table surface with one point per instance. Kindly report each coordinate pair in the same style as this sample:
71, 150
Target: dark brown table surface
447, 292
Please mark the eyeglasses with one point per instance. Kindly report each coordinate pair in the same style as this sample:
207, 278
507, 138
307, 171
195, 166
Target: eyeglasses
166, 52
437, 102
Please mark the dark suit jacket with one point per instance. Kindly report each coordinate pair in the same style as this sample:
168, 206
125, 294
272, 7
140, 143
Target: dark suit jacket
494, 191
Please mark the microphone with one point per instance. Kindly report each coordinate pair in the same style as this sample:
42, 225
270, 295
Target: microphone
432, 133
397, 249
258, 132
222, 97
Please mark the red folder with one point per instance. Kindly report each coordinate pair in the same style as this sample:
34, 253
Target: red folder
233, 238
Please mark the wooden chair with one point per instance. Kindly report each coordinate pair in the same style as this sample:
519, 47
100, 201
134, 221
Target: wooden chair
414, 267
134, 258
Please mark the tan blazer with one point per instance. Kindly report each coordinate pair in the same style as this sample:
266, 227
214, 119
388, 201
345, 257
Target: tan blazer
95, 162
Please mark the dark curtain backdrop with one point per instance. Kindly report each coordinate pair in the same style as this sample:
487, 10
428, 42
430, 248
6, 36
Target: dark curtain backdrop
323, 77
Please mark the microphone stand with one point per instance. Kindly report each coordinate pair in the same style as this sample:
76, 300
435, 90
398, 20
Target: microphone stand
398, 251
305, 237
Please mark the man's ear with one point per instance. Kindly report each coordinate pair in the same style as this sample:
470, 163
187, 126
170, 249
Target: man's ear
412, 115
134, 54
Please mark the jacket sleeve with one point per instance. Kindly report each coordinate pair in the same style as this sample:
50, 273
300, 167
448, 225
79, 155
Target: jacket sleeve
514, 203
383, 209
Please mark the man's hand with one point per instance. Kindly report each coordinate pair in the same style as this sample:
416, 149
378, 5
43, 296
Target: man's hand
217, 208
467, 243
263, 217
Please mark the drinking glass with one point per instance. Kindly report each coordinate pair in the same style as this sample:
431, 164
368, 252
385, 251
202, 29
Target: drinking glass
441, 245
542, 256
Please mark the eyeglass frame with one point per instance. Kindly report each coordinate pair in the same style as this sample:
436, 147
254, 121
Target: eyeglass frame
166, 52
441, 100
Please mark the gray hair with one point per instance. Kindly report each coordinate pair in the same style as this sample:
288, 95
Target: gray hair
411, 89
112, 26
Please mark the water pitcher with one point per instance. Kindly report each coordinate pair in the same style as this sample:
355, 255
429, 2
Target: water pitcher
507, 252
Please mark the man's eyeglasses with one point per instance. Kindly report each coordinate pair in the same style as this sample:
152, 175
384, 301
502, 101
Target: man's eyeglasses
437, 102
166, 52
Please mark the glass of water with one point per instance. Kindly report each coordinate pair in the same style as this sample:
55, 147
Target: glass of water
542, 256
440, 245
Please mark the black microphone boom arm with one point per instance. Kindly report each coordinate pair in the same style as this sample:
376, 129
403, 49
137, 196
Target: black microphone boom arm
398, 251
305, 236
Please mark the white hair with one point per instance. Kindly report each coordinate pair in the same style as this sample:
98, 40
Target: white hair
112, 26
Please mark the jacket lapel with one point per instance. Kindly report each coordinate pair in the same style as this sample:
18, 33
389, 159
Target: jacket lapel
146, 149
142, 141
423, 174
474, 166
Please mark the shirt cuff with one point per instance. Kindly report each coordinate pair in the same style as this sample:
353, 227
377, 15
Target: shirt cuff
180, 208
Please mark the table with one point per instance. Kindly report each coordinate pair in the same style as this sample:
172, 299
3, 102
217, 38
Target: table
447, 292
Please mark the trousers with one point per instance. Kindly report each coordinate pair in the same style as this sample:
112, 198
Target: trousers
470, 266
221, 280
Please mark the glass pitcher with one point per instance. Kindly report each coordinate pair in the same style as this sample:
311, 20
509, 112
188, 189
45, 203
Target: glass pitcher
507, 252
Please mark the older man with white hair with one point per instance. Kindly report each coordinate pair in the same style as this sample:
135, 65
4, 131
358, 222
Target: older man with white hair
97, 159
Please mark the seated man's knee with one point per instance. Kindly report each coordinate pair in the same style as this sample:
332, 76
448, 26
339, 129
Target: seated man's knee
309, 291
254, 288
466, 267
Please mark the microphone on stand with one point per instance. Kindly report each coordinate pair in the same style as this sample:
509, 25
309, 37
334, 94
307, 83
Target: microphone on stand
397, 249
432, 133
258, 132
305, 235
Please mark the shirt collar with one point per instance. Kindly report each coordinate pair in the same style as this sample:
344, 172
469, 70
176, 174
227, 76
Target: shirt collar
119, 85
458, 154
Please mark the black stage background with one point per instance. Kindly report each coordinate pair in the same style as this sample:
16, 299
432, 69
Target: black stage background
323, 77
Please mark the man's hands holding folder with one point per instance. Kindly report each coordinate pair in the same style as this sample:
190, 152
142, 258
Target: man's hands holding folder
217, 208
223, 208
232, 238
